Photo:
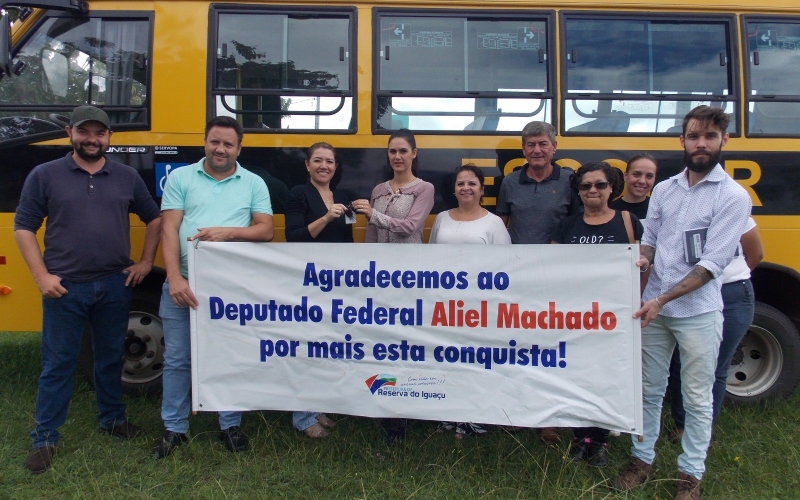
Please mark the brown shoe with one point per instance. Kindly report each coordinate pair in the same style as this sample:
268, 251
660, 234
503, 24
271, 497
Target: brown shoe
637, 472
688, 487
39, 459
550, 436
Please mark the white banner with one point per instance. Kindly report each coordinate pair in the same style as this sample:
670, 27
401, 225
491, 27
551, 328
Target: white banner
528, 335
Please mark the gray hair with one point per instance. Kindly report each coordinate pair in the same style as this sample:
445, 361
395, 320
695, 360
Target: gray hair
539, 128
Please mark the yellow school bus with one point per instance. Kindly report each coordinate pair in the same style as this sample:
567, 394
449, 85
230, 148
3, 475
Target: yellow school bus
614, 78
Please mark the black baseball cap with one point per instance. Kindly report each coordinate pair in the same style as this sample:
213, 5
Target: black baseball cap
83, 114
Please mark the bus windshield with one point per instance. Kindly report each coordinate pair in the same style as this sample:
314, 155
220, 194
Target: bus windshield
69, 62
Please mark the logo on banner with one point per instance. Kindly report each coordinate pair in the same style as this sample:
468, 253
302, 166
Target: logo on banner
386, 385
375, 382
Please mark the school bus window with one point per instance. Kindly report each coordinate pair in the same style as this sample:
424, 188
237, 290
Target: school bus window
441, 73
642, 76
71, 61
284, 70
774, 77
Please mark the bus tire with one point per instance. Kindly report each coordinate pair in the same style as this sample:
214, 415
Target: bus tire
144, 348
766, 365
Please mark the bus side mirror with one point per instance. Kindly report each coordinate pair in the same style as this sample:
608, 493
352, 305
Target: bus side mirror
5, 44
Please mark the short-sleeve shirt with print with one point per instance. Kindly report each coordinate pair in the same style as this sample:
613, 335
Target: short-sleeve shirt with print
575, 230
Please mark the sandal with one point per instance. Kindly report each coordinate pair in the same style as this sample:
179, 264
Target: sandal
326, 422
445, 426
316, 431
467, 429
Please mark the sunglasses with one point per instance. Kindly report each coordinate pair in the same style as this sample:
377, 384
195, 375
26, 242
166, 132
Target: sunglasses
585, 186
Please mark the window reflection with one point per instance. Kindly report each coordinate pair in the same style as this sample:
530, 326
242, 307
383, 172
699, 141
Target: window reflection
297, 112
458, 73
70, 62
774, 50
261, 56
774, 58
634, 116
650, 57
440, 113
612, 65
280, 52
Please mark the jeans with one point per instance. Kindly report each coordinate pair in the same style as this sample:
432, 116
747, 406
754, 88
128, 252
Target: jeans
177, 378
302, 420
698, 338
739, 307
103, 304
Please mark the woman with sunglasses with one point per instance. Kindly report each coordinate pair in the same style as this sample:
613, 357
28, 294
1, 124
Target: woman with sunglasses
316, 211
468, 223
596, 183
396, 213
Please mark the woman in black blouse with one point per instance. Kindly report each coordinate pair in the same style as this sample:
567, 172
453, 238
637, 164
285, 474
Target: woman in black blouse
316, 211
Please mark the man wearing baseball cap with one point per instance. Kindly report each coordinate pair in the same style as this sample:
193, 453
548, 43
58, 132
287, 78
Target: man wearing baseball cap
83, 114
86, 274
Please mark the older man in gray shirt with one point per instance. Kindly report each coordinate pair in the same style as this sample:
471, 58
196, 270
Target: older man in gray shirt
536, 197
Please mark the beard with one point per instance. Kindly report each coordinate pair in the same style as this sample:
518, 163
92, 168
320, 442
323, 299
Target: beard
227, 165
702, 167
87, 156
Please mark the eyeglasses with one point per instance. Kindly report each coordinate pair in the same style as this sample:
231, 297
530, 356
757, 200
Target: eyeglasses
585, 186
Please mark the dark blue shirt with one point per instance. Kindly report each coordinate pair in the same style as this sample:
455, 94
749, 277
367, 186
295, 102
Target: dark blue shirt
87, 236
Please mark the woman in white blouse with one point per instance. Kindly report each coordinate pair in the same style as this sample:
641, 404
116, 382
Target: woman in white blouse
468, 223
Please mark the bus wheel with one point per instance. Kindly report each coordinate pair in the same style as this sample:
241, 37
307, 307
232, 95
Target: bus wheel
766, 364
144, 349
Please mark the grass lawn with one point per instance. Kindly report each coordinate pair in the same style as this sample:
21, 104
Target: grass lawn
756, 455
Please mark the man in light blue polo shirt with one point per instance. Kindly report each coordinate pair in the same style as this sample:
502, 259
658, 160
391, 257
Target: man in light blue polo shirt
214, 199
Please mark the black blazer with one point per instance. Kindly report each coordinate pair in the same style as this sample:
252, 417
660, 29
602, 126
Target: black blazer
305, 205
